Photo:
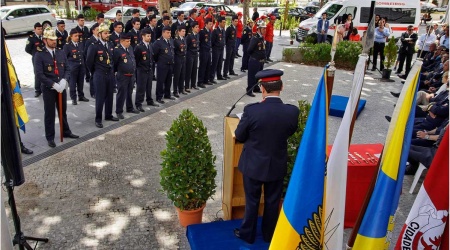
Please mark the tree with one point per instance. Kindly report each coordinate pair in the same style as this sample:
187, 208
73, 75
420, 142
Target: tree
164, 5
246, 11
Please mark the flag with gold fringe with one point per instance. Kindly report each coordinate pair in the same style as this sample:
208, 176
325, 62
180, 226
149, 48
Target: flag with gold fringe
20, 112
376, 228
300, 223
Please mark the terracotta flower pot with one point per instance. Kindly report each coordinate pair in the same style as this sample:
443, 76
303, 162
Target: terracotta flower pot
189, 217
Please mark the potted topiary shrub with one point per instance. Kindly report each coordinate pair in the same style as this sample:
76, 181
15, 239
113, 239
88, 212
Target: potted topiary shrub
294, 142
188, 171
293, 33
390, 54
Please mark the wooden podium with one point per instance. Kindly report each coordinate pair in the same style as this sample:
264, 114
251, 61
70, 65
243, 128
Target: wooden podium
233, 197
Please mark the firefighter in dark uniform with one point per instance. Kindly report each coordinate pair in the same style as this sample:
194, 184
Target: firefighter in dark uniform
53, 71
93, 39
61, 33
115, 35
83, 34
117, 20
245, 41
134, 32
192, 44
152, 28
129, 24
178, 22
163, 55
230, 46
124, 67
217, 44
99, 61
143, 54
191, 19
205, 55
74, 52
159, 28
179, 68
161, 20
146, 20
35, 44
256, 51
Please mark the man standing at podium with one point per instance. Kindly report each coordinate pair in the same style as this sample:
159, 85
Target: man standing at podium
264, 129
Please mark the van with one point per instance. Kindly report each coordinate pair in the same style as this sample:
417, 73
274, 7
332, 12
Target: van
400, 14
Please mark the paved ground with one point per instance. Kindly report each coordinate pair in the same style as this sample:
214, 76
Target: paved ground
102, 191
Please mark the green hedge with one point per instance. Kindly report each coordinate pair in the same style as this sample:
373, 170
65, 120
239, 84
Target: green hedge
346, 56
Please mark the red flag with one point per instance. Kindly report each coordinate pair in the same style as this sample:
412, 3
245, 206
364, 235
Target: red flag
424, 228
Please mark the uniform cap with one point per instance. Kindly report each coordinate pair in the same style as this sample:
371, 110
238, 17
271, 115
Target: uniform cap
73, 31
210, 8
263, 17
269, 75
239, 13
202, 11
103, 27
273, 17
166, 28
49, 33
60, 22
261, 24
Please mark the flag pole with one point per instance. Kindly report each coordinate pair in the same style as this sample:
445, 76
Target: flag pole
368, 43
60, 113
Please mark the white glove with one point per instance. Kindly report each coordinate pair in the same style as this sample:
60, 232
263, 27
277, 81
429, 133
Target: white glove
58, 87
63, 83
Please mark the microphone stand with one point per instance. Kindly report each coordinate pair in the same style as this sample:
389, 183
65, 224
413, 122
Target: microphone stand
234, 105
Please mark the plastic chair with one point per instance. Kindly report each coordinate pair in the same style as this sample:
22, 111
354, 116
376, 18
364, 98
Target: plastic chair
417, 177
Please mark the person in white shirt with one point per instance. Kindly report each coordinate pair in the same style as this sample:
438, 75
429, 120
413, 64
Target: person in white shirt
424, 42
444, 38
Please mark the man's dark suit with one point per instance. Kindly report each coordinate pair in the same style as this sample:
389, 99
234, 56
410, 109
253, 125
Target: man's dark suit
264, 130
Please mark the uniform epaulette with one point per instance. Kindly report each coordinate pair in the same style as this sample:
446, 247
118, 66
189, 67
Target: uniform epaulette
31, 35
158, 39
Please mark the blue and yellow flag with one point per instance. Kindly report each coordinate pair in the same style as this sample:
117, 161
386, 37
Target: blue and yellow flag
300, 220
20, 112
377, 224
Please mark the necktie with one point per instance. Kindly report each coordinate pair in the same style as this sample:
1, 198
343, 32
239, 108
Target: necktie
53, 55
106, 45
76, 45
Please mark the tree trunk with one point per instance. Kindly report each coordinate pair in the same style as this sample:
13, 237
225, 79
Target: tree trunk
246, 11
67, 7
164, 5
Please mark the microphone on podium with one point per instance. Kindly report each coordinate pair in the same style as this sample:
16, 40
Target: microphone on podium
234, 105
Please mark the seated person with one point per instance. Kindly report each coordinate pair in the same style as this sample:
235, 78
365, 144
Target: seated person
429, 57
424, 99
434, 79
424, 155
437, 114
425, 139
434, 61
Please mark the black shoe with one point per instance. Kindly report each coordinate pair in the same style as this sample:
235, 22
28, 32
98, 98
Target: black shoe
237, 54
402, 77
160, 101
213, 82
265, 61
395, 94
398, 72
226, 77
221, 78
37, 94
188, 90
154, 78
140, 109
114, 119
237, 234
120, 116
152, 104
243, 70
233, 74
115, 90
202, 86
257, 91
411, 170
184, 93
251, 94
133, 111
270, 60
99, 124
73, 136
170, 98
403, 81
83, 99
74, 102
209, 83
25, 150
51, 143
197, 88
87, 79
176, 95
373, 69
388, 118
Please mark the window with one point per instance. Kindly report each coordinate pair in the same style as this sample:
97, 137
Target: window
330, 9
394, 15
348, 10
127, 13
44, 10
17, 13
31, 11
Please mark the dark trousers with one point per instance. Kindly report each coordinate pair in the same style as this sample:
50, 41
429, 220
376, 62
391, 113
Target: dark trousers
238, 42
124, 92
163, 80
91, 85
245, 57
205, 67
76, 81
272, 197
88, 74
253, 67
216, 63
144, 80
422, 53
269, 46
419, 154
191, 71
321, 38
402, 57
378, 48
51, 101
229, 61
104, 85
179, 72
37, 83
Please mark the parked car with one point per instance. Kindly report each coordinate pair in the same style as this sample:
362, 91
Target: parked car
277, 11
443, 8
127, 11
105, 5
21, 18
186, 7
299, 13
312, 10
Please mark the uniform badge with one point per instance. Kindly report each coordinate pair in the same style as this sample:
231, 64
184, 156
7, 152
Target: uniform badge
28, 41
181, 49
144, 58
206, 39
195, 45
49, 68
59, 42
125, 60
38, 49
107, 61
245, 32
166, 50
232, 35
74, 56
100, 58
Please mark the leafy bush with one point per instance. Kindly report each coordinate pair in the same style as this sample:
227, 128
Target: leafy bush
188, 171
90, 14
390, 53
347, 54
316, 54
294, 141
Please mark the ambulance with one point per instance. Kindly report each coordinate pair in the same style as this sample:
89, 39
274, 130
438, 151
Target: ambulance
400, 14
